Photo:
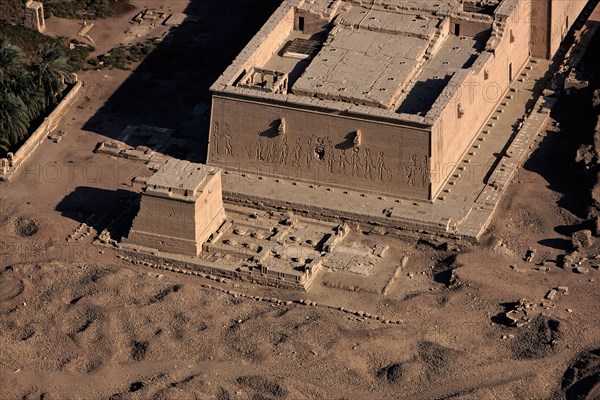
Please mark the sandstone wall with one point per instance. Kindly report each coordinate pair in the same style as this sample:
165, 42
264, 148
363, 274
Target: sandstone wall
563, 14
176, 225
264, 44
165, 225
473, 94
311, 22
318, 147
471, 28
550, 21
209, 211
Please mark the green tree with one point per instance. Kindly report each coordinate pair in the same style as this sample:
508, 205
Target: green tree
51, 73
14, 81
11, 65
14, 120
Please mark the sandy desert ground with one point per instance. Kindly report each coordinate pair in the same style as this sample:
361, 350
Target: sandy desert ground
76, 322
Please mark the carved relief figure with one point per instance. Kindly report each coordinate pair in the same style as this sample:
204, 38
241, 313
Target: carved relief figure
297, 154
310, 154
260, 148
423, 172
343, 162
283, 152
227, 136
368, 164
381, 168
412, 169
270, 151
355, 162
329, 155
216, 138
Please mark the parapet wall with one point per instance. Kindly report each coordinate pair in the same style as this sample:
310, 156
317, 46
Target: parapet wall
263, 45
9, 166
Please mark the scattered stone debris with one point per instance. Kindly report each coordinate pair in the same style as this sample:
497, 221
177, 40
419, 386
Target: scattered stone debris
118, 149
443, 272
556, 293
522, 312
530, 255
582, 239
572, 260
581, 269
57, 137
104, 238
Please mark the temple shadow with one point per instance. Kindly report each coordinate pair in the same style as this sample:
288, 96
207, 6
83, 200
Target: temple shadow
554, 158
101, 209
173, 82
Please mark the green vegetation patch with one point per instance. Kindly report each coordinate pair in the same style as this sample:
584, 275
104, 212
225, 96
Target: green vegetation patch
75, 9
122, 57
34, 71
30, 42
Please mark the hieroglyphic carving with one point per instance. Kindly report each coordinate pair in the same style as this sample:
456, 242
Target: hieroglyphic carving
319, 153
417, 172
424, 171
222, 139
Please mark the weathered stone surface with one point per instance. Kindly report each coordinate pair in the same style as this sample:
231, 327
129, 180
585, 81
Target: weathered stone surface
181, 206
582, 239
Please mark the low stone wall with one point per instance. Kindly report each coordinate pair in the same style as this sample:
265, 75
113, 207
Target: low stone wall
207, 269
9, 166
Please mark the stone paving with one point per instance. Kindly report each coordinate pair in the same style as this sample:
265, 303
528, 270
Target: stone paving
464, 207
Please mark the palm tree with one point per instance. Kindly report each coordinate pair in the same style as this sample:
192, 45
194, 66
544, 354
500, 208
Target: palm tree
15, 81
51, 72
14, 120
25, 93
11, 64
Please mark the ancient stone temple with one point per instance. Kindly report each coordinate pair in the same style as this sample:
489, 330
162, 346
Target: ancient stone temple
27, 13
181, 206
383, 96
